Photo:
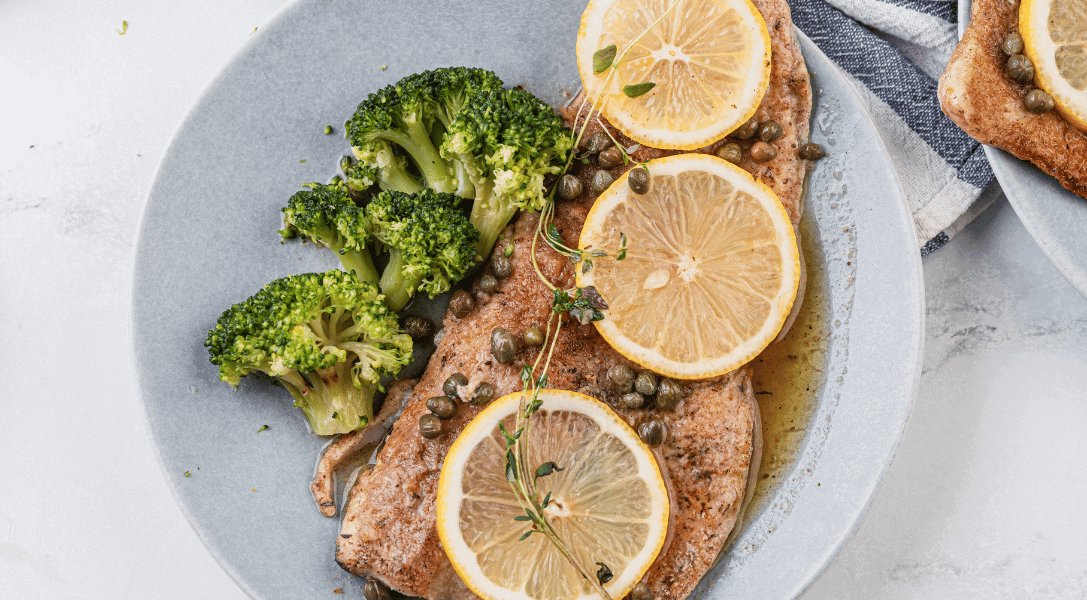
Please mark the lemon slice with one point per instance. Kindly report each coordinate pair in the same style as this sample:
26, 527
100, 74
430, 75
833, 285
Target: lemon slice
711, 271
1055, 35
609, 504
710, 60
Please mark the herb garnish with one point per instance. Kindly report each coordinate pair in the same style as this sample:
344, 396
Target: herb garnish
124, 28
582, 304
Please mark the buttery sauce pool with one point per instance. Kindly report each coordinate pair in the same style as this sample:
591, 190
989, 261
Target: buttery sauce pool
789, 375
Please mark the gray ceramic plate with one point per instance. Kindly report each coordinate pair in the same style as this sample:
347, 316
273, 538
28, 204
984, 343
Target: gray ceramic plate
1055, 217
208, 239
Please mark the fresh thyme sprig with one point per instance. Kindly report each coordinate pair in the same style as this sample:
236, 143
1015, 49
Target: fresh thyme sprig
584, 305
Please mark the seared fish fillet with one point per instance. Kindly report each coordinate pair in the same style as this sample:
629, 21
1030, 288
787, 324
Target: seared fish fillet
981, 99
389, 531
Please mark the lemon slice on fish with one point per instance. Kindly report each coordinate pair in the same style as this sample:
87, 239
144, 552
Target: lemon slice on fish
711, 269
1055, 35
709, 59
609, 503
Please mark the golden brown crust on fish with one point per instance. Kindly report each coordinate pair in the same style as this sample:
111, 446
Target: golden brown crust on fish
389, 528
981, 99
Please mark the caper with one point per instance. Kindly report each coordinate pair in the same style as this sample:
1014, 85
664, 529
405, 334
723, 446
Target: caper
453, 383
570, 187
418, 327
633, 400
622, 377
652, 432
730, 152
811, 151
483, 394
612, 157
646, 383
600, 182
598, 142
488, 283
641, 592
503, 345
763, 152
443, 407
1038, 101
501, 266
770, 131
1013, 44
461, 303
747, 130
1020, 68
668, 394
533, 336
638, 180
430, 427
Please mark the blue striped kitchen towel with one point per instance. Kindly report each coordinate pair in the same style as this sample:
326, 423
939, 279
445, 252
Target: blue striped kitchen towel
893, 51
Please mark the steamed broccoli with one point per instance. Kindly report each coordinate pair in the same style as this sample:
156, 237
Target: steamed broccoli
326, 214
326, 337
431, 243
457, 130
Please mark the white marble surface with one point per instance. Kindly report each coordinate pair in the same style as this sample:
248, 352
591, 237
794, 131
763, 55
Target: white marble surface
984, 500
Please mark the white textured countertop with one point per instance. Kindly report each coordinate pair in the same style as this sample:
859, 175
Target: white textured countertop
984, 500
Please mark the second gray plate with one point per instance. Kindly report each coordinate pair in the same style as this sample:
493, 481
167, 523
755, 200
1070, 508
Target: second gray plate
1055, 217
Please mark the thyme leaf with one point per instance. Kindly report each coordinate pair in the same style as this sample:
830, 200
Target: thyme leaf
603, 58
634, 90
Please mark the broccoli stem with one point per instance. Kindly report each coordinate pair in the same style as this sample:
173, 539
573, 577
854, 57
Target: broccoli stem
490, 216
417, 143
360, 263
331, 401
398, 288
398, 180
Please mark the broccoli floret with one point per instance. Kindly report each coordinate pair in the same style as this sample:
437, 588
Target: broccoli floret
431, 243
508, 141
456, 130
326, 214
326, 337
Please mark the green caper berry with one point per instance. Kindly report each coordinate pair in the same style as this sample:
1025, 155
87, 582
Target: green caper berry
763, 152
598, 142
668, 394
483, 394
612, 157
501, 266
461, 303
534, 336
811, 151
747, 130
730, 152
328, 129
1020, 68
601, 180
443, 407
622, 377
646, 383
770, 131
488, 283
1013, 44
638, 180
570, 187
652, 432
418, 327
641, 592
633, 400
503, 345
453, 383
1038, 101
430, 427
